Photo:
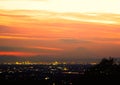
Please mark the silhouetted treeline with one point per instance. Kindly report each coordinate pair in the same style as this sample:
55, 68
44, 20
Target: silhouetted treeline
107, 69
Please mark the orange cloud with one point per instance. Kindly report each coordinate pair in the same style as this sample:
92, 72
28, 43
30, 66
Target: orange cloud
53, 31
28, 16
48, 48
17, 53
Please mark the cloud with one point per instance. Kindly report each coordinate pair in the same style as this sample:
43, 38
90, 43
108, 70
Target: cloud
48, 48
28, 49
70, 40
13, 15
40, 15
109, 39
5, 29
44, 31
105, 18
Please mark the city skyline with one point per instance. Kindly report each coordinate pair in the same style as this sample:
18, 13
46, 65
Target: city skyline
74, 29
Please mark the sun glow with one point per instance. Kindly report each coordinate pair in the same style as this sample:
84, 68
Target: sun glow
109, 6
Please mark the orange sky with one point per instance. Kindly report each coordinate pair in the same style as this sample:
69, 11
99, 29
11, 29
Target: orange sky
60, 28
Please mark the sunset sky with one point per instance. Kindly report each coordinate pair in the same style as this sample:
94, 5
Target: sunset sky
60, 28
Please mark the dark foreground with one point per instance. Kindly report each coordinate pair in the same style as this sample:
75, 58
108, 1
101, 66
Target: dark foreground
62, 74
